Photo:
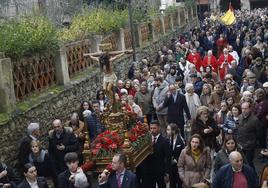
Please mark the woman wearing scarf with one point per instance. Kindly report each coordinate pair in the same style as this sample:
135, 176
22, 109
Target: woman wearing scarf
194, 163
42, 162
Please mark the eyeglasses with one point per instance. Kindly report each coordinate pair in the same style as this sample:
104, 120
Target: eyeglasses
251, 77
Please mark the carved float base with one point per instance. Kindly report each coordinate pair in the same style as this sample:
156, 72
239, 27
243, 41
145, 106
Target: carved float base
135, 157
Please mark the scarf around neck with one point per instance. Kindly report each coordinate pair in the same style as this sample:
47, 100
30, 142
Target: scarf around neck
40, 158
196, 154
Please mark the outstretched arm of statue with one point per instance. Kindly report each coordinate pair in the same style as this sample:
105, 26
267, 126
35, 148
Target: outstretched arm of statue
95, 59
120, 51
118, 54
116, 57
94, 54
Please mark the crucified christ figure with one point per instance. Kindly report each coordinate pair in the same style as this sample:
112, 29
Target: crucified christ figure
105, 59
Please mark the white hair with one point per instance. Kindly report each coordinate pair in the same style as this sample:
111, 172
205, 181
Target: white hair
123, 91
210, 51
74, 115
246, 93
32, 127
233, 155
80, 180
87, 113
189, 86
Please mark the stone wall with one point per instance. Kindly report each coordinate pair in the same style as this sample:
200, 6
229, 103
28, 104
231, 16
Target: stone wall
60, 104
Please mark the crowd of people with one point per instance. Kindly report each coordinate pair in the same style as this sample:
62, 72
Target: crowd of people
205, 96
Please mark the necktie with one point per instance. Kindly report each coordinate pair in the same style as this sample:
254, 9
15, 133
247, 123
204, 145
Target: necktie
119, 180
154, 139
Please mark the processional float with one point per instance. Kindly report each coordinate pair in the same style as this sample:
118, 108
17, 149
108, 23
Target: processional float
123, 132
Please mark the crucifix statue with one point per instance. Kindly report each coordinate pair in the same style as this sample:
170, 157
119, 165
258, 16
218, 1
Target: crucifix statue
105, 59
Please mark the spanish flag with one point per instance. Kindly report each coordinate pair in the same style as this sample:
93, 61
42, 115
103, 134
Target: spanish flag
228, 18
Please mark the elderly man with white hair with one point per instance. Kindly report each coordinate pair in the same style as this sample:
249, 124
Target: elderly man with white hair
236, 174
33, 133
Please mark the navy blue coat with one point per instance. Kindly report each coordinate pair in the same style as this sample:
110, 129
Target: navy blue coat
224, 177
129, 181
41, 181
176, 109
70, 142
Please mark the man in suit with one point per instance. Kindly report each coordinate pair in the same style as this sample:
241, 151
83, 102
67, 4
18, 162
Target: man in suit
73, 176
33, 133
61, 141
155, 169
177, 144
176, 103
120, 177
31, 180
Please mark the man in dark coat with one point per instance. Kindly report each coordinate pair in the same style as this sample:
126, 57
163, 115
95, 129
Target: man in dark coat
69, 178
248, 131
235, 174
176, 104
95, 126
41, 182
120, 177
156, 167
31, 180
61, 141
261, 112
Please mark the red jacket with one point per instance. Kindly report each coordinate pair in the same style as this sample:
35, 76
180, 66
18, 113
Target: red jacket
223, 68
212, 61
196, 60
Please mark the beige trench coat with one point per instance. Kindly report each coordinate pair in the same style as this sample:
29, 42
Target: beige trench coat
192, 172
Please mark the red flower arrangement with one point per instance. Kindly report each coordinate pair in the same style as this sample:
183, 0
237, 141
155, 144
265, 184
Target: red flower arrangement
136, 132
108, 141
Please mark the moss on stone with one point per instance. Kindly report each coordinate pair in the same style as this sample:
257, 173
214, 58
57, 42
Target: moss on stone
84, 73
23, 106
4, 117
56, 89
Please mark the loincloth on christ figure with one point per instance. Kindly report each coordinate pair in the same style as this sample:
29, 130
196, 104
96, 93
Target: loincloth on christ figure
109, 78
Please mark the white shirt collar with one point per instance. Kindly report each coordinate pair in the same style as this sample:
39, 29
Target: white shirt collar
33, 184
157, 136
122, 173
236, 171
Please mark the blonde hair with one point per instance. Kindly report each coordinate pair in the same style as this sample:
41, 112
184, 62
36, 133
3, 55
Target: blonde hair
200, 110
35, 142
